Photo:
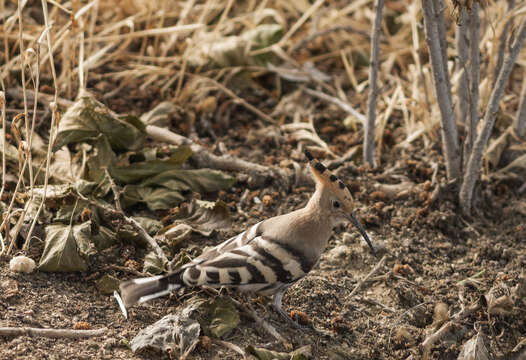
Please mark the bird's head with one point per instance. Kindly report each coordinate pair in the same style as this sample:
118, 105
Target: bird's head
335, 199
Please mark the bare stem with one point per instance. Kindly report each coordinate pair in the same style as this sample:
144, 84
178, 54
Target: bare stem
474, 60
475, 160
54, 116
443, 91
519, 123
462, 44
368, 139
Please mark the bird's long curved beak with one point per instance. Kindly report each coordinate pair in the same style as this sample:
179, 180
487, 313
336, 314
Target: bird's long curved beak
360, 228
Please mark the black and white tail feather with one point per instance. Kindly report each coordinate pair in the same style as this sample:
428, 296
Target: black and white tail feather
266, 258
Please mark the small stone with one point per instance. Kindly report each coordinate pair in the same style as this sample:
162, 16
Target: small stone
22, 264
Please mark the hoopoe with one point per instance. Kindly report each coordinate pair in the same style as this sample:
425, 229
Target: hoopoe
268, 257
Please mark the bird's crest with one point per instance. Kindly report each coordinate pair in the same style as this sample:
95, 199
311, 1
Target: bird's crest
326, 178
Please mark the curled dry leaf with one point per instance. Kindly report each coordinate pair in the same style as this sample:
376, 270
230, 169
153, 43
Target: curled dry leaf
173, 332
214, 49
499, 300
221, 317
202, 216
475, 349
88, 118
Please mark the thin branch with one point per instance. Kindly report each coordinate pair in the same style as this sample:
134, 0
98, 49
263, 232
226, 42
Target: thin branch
462, 44
503, 39
205, 159
438, 9
52, 333
475, 160
438, 335
519, 123
368, 138
474, 80
443, 93
366, 278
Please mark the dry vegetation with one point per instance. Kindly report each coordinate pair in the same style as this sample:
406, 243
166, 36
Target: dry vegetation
120, 118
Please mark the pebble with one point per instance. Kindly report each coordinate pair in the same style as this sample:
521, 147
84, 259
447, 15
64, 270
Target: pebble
22, 264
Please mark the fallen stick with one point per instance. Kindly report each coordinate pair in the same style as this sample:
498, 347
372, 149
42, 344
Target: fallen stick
51, 333
433, 338
365, 279
205, 159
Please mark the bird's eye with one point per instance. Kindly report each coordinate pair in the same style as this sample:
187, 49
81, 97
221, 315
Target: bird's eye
336, 204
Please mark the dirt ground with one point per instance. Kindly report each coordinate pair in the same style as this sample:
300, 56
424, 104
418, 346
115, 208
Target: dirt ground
430, 252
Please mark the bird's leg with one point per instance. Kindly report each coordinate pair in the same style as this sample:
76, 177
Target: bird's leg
278, 297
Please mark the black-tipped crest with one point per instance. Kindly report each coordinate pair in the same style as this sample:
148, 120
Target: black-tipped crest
320, 167
325, 177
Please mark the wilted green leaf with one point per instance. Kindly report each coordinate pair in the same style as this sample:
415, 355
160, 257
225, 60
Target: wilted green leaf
222, 317
102, 158
142, 170
87, 118
474, 349
199, 180
61, 252
155, 198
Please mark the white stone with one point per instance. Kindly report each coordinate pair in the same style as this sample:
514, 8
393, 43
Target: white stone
22, 264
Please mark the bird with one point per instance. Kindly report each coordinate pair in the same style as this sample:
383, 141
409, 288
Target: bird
268, 257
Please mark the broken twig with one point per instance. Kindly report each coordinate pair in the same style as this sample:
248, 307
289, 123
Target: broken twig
51, 333
365, 279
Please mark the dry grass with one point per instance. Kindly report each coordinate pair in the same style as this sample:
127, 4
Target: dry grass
148, 44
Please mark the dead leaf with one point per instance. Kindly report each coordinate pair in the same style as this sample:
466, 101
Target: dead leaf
202, 216
221, 317
88, 118
174, 331
474, 349
61, 251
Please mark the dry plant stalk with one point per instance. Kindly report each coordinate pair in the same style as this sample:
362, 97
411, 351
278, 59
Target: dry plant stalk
443, 89
475, 160
368, 146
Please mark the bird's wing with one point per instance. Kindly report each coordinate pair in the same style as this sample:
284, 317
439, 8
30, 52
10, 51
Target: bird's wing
234, 242
259, 264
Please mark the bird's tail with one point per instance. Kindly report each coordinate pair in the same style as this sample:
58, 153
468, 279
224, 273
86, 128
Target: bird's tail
144, 289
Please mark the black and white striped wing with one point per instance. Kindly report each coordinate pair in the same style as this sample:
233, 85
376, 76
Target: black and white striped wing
259, 265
